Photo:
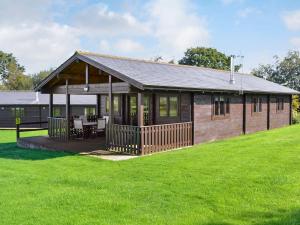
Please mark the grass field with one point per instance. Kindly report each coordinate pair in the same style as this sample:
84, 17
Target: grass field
253, 179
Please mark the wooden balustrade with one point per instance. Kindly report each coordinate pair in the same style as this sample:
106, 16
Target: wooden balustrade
123, 138
58, 128
158, 138
148, 139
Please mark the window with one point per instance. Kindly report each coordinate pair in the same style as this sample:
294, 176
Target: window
116, 104
146, 104
89, 111
256, 104
280, 104
173, 106
168, 106
18, 112
132, 102
163, 106
221, 106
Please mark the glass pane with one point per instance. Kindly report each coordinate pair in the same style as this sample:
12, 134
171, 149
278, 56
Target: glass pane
222, 107
163, 106
132, 104
216, 107
116, 104
146, 104
254, 105
227, 105
259, 104
107, 104
173, 106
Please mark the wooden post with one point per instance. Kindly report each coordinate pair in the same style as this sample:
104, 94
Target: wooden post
50, 105
268, 111
291, 110
86, 77
140, 109
244, 114
110, 99
98, 106
67, 110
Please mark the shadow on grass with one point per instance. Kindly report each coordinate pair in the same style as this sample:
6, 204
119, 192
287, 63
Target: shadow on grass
281, 217
12, 151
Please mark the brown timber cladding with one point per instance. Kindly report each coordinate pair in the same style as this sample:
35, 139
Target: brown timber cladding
208, 128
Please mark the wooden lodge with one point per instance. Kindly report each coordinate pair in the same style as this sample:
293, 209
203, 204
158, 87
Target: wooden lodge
151, 107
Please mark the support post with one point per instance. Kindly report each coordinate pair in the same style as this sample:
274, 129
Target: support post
140, 109
244, 114
67, 110
110, 98
86, 77
50, 105
98, 106
291, 110
268, 112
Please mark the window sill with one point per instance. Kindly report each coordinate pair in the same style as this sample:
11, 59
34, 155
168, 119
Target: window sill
221, 117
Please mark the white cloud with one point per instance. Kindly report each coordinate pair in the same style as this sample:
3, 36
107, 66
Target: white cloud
292, 20
244, 13
104, 46
228, 2
99, 20
177, 26
39, 46
128, 46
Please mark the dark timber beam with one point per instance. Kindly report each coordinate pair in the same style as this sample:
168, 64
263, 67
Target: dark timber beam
140, 109
67, 110
50, 105
110, 98
291, 110
268, 111
86, 77
244, 114
98, 106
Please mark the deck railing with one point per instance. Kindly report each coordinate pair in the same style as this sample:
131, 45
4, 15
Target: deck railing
148, 139
156, 138
57, 128
123, 138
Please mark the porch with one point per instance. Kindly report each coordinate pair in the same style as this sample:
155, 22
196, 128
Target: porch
139, 121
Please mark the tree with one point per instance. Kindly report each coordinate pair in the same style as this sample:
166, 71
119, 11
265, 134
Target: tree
207, 57
38, 77
7, 60
285, 72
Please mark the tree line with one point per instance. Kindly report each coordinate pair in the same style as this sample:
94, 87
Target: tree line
285, 71
13, 77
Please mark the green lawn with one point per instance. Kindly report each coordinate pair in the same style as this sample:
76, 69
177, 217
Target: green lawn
253, 179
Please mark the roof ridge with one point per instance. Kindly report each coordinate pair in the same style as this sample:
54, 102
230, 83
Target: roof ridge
150, 61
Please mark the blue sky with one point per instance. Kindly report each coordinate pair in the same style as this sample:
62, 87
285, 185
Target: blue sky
43, 33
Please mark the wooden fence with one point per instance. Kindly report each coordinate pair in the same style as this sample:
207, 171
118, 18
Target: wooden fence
19, 129
58, 128
148, 139
158, 138
123, 138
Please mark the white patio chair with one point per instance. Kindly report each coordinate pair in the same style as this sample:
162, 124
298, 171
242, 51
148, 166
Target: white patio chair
83, 118
106, 119
78, 127
101, 125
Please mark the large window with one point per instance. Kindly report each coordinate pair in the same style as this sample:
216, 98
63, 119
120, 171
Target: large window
116, 104
18, 112
221, 105
280, 104
89, 111
256, 104
168, 106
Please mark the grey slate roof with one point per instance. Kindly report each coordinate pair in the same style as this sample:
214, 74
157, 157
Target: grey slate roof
30, 98
160, 75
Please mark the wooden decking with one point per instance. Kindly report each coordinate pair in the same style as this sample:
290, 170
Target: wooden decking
91, 146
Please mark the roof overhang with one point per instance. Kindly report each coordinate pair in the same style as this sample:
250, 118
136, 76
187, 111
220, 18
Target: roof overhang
78, 56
